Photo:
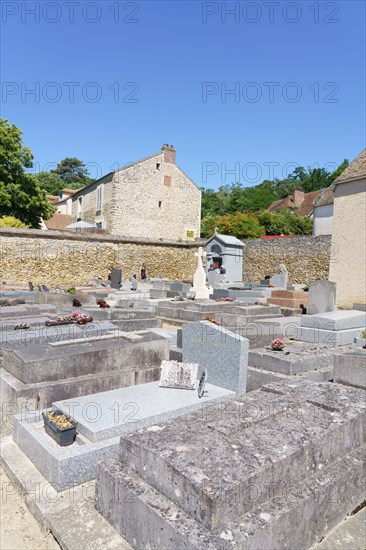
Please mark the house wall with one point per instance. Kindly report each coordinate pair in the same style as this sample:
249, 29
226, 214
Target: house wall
89, 202
349, 243
155, 203
323, 220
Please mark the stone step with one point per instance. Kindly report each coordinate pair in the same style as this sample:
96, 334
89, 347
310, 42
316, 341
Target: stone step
314, 428
287, 302
290, 294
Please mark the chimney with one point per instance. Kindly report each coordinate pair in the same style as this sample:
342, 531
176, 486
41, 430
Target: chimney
169, 153
298, 196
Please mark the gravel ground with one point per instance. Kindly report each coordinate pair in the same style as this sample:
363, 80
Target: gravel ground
19, 529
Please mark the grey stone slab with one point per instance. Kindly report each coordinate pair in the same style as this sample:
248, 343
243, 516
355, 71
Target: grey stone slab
329, 337
350, 534
294, 359
322, 297
113, 413
359, 307
298, 439
48, 363
359, 343
336, 320
350, 368
63, 299
221, 352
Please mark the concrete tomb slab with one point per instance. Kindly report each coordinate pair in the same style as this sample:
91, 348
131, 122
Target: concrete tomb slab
241, 475
350, 368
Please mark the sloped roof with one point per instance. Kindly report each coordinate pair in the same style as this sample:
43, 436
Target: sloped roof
226, 239
357, 169
326, 196
304, 209
70, 191
58, 221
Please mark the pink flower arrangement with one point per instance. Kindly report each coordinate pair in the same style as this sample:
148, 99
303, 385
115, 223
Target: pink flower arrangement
224, 299
278, 344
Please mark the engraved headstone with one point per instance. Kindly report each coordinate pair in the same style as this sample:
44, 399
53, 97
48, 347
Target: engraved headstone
178, 375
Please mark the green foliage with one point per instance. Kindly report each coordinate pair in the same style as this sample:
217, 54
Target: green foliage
51, 183
71, 290
10, 221
239, 198
284, 222
363, 334
73, 173
240, 225
20, 193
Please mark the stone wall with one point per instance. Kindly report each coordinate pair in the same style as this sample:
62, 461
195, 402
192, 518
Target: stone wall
57, 257
65, 258
306, 258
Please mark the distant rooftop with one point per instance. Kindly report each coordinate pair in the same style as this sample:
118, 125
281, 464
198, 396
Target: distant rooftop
357, 169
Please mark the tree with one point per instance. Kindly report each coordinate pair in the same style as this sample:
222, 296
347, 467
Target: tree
284, 222
20, 193
73, 173
51, 183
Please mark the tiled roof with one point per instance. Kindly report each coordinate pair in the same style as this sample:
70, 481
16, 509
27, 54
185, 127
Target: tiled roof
304, 209
70, 191
58, 221
326, 196
357, 169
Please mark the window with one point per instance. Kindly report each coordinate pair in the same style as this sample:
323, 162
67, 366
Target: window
80, 205
168, 181
99, 197
100, 225
158, 165
160, 204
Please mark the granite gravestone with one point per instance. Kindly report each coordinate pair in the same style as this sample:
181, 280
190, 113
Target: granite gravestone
221, 352
116, 278
181, 376
322, 297
280, 279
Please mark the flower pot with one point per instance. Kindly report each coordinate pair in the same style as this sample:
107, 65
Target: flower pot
62, 436
277, 349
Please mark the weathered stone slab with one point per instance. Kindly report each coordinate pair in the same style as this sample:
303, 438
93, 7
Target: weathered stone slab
350, 368
301, 443
221, 352
322, 297
295, 358
42, 363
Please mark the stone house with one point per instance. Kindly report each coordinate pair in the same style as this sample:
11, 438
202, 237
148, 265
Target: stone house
152, 197
348, 254
62, 217
299, 202
323, 212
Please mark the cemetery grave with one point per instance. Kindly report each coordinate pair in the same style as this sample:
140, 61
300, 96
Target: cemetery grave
104, 376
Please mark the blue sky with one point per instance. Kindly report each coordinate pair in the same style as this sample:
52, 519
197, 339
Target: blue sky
115, 80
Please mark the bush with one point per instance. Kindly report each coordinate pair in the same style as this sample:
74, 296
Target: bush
10, 221
284, 222
240, 225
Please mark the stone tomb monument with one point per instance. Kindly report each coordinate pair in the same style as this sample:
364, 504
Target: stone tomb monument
225, 251
322, 297
276, 468
222, 353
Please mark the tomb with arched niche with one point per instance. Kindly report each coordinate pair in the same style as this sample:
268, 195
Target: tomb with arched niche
224, 254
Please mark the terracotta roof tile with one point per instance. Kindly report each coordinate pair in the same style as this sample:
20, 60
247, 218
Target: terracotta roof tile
304, 209
58, 221
357, 169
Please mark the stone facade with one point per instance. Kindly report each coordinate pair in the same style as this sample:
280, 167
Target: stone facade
59, 257
306, 258
152, 198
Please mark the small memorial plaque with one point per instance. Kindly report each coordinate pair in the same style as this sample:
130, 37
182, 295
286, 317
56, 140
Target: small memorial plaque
181, 376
